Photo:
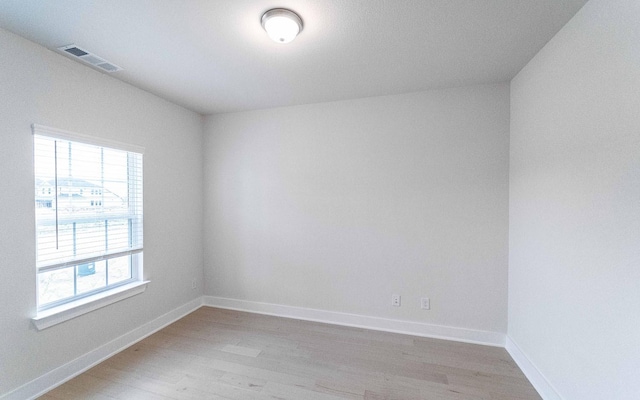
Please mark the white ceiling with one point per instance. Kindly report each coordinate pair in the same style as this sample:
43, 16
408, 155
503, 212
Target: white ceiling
212, 56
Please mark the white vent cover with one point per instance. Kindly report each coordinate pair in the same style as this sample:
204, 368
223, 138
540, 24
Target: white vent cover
89, 58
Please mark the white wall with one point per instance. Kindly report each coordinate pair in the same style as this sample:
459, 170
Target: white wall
337, 206
38, 86
574, 265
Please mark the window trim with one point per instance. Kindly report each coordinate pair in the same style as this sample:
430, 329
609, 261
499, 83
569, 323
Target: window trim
50, 316
78, 137
56, 315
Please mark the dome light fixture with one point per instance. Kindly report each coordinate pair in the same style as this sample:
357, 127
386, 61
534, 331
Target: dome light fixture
281, 25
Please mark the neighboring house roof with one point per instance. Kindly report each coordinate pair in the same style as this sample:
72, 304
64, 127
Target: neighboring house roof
74, 182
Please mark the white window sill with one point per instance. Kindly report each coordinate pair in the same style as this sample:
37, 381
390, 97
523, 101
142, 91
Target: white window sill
65, 312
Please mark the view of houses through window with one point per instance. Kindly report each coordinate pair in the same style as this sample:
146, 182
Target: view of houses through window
88, 203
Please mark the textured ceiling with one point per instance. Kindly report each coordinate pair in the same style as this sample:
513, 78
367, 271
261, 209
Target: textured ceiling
212, 56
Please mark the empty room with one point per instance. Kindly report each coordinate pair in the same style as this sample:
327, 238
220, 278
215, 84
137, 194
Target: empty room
320, 199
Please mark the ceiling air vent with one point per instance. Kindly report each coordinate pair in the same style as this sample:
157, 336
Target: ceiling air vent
89, 58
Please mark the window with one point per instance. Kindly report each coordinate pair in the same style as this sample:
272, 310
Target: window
86, 245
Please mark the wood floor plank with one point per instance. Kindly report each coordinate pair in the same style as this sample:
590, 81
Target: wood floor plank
222, 354
243, 351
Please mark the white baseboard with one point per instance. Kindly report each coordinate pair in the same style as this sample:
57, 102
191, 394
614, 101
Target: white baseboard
58, 376
361, 321
539, 382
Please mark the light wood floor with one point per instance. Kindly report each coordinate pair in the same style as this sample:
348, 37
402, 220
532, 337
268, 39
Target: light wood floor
221, 354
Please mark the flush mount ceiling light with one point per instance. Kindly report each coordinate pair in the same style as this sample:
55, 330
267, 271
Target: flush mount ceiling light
282, 25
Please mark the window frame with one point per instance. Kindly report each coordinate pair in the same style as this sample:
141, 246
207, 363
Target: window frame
61, 310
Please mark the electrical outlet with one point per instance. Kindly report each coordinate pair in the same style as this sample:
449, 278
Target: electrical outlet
395, 300
425, 303
193, 284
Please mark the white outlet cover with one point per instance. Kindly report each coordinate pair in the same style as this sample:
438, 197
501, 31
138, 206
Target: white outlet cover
395, 300
425, 303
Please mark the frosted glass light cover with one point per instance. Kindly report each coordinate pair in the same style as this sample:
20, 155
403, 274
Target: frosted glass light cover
281, 25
